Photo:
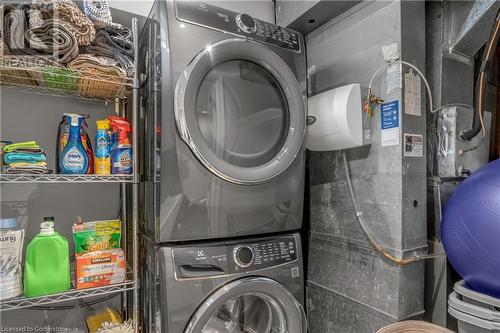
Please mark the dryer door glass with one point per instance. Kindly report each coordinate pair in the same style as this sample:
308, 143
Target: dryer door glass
242, 113
239, 108
249, 305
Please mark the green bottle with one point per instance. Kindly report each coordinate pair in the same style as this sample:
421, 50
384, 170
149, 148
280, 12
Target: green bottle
47, 270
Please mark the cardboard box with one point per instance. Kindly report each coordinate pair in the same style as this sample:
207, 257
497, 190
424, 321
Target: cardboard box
101, 268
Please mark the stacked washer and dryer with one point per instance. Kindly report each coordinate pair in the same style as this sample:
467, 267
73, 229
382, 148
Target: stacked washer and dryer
223, 101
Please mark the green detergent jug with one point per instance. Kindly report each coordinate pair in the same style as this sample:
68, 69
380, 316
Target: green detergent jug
47, 270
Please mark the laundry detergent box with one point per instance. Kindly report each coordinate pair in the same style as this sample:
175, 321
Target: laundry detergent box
97, 235
100, 268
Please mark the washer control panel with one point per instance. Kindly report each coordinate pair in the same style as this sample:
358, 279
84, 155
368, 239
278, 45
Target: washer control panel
262, 254
238, 24
243, 256
232, 257
246, 23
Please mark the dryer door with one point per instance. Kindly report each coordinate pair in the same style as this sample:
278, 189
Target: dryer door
249, 305
240, 110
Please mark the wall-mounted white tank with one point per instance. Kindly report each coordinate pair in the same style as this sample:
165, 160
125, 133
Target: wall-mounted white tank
336, 120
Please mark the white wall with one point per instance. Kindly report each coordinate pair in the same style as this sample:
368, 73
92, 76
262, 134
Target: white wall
261, 9
141, 7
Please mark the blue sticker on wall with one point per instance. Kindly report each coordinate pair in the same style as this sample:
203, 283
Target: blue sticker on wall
390, 115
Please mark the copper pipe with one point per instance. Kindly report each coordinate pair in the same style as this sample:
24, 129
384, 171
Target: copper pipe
491, 44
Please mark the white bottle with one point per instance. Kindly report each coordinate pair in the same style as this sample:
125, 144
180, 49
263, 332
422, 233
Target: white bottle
11, 247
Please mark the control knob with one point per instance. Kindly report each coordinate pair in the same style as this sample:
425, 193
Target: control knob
246, 23
243, 256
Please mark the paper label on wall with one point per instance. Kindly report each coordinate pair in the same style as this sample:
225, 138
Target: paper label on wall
389, 116
414, 145
413, 95
394, 77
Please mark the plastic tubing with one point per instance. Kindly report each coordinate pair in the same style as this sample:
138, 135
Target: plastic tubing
375, 244
431, 107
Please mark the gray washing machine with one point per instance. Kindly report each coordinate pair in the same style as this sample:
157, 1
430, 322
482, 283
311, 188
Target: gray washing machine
251, 286
223, 98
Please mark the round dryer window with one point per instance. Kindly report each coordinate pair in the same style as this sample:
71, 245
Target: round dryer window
252, 305
240, 110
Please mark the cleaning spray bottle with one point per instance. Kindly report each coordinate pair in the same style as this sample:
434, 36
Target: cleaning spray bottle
74, 158
121, 156
63, 137
113, 134
102, 148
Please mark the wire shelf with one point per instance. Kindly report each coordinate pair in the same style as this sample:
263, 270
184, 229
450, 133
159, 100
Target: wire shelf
74, 294
60, 81
58, 178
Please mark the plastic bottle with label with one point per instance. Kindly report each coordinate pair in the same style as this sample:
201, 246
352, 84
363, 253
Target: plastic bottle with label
63, 137
47, 270
102, 148
74, 158
11, 247
121, 157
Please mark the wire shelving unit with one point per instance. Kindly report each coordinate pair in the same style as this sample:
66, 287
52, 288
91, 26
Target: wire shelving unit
112, 89
57, 81
71, 295
59, 178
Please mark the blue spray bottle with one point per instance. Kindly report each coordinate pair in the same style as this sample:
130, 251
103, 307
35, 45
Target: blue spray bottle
74, 158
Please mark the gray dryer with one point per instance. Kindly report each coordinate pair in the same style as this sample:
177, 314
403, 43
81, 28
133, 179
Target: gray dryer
223, 98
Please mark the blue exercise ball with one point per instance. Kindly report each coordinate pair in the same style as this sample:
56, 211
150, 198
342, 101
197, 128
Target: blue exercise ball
471, 229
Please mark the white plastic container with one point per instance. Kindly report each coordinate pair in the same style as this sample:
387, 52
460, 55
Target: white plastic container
475, 312
336, 120
11, 247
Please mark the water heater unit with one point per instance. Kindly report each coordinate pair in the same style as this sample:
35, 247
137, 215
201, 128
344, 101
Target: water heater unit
337, 121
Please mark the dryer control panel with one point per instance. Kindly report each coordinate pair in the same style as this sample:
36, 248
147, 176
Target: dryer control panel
233, 257
238, 24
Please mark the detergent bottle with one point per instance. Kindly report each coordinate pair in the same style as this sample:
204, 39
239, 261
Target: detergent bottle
11, 250
102, 148
74, 158
47, 270
121, 157
63, 137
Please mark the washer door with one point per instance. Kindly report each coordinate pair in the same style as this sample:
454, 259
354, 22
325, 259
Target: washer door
240, 110
249, 305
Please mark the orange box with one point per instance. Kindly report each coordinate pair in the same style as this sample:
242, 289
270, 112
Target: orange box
100, 268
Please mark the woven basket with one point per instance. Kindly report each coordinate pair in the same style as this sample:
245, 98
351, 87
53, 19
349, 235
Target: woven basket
24, 70
16, 77
414, 326
11, 76
60, 78
98, 84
